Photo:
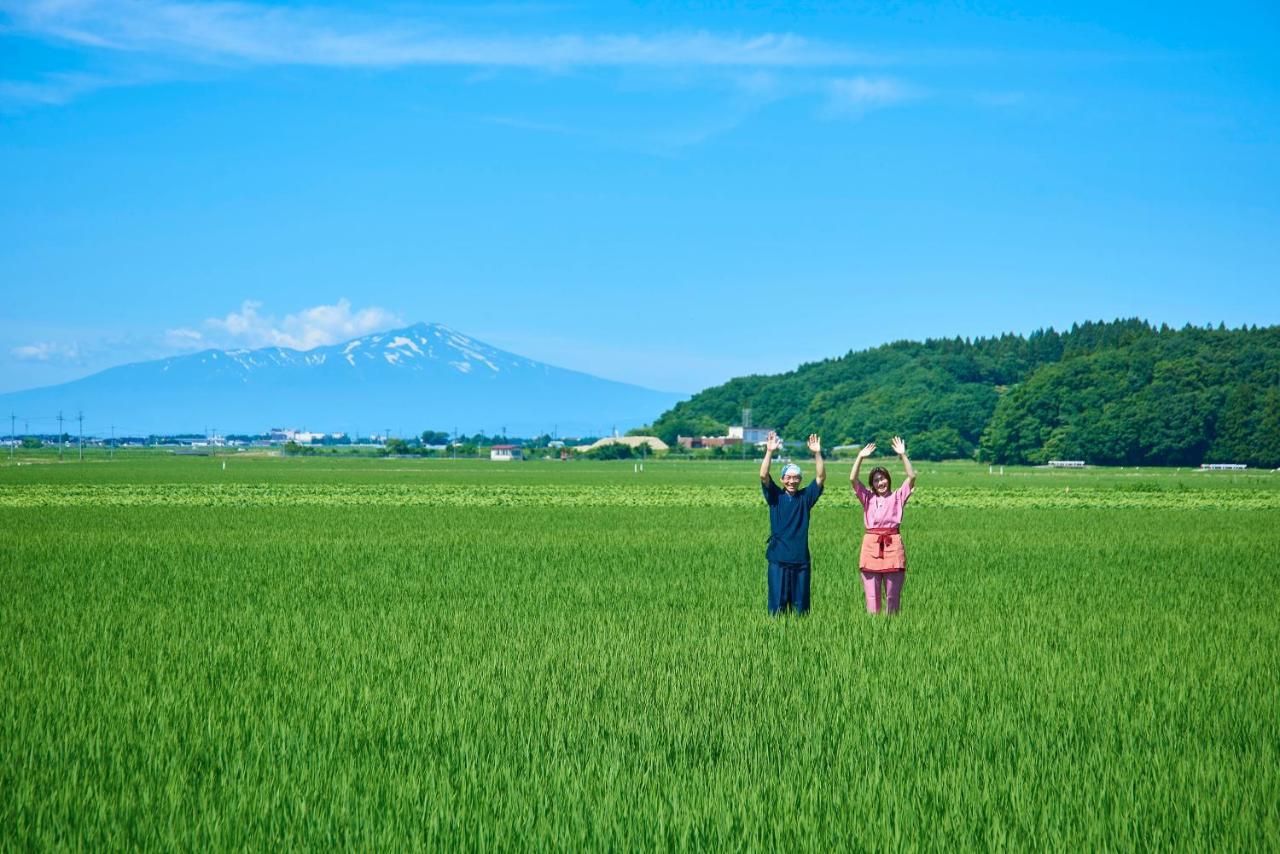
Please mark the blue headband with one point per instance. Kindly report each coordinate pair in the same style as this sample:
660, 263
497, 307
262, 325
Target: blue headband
790, 468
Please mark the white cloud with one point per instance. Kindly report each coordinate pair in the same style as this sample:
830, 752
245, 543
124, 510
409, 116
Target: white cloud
184, 338
277, 35
308, 328
46, 351
858, 95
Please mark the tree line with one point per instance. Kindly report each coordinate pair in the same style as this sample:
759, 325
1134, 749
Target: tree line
1117, 393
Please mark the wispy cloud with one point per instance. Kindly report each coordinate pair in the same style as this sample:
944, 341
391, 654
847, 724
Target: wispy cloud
311, 327
184, 338
234, 32
53, 89
249, 327
47, 351
854, 96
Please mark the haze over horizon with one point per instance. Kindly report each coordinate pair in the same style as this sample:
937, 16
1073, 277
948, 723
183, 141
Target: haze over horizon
665, 194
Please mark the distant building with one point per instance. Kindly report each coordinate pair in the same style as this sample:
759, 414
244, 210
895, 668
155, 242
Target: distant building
506, 453
754, 435
1066, 464
1223, 466
692, 442
278, 436
654, 443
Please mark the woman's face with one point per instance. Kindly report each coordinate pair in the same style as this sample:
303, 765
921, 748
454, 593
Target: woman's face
879, 484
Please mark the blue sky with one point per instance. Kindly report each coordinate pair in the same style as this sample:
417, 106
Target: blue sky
665, 193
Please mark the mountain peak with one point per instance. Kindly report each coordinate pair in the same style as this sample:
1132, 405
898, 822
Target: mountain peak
423, 374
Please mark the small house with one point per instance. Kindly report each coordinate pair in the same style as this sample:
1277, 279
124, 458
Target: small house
506, 453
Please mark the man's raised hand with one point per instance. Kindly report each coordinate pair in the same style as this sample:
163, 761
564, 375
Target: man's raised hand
772, 442
815, 444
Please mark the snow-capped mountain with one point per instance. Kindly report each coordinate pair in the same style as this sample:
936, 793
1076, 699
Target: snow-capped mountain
424, 376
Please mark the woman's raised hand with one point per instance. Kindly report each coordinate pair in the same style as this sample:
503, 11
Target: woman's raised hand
867, 450
899, 446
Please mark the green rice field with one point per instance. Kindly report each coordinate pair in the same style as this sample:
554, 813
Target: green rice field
384, 653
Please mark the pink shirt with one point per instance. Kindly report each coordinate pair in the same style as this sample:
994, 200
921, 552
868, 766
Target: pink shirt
884, 512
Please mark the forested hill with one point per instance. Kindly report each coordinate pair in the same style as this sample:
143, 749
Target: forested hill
1120, 393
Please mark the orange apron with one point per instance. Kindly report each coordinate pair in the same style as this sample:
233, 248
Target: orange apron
882, 551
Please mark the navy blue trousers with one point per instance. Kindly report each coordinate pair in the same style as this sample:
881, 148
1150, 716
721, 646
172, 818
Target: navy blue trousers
788, 587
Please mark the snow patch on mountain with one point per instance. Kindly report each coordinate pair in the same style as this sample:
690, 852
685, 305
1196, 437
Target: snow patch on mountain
401, 341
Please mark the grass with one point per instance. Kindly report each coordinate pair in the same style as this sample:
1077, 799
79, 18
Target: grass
372, 671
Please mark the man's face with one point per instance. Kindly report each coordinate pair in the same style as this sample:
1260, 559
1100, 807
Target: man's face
791, 483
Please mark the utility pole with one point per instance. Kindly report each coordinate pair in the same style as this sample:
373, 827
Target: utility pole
80, 418
111, 454
13, 440
59, 435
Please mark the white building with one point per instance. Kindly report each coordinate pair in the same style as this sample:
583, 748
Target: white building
506, 453
752, 435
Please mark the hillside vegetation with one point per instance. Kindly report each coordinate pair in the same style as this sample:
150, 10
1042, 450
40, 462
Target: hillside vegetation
1119, 393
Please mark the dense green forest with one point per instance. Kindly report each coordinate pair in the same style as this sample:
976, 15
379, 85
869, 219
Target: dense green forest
1119, 393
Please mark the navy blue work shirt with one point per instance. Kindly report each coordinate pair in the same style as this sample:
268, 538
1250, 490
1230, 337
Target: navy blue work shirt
789, 521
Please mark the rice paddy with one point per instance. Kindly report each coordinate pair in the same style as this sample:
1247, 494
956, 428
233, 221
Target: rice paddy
431, 653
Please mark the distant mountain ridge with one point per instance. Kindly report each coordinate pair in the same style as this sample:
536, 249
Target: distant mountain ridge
1118, 393
424, 376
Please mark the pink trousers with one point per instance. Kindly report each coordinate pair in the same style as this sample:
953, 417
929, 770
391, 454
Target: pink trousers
890, 582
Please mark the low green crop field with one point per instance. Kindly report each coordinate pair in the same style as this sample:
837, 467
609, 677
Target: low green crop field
389, 653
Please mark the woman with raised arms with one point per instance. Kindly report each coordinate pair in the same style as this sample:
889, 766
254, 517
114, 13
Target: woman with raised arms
882, 559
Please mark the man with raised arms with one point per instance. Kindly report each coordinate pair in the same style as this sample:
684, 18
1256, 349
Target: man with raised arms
789, 509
